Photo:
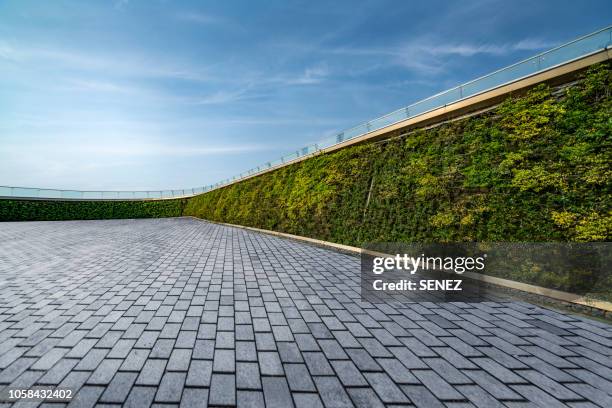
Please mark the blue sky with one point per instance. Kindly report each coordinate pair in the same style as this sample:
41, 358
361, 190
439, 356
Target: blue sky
167, 94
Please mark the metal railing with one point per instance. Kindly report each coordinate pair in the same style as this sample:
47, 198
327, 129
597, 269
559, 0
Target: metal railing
574, 50
50, 193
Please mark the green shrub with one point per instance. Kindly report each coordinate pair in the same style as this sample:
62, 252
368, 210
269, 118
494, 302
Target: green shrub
47, 210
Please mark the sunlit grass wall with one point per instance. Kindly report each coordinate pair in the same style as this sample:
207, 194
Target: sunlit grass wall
536, 168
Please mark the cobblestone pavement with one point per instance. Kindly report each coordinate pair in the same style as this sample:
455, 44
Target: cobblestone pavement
181, 311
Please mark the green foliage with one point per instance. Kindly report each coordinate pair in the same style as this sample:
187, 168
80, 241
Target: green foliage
537, 179
49, 210
536, 168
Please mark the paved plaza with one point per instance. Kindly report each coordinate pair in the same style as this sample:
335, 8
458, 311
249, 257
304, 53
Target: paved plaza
181, 311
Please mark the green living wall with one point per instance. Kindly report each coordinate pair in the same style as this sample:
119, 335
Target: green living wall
45, 210
536, 168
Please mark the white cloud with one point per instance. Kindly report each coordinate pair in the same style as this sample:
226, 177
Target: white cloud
534, 44
100, 86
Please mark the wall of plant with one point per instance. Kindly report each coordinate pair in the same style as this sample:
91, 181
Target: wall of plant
536, 168
47, 210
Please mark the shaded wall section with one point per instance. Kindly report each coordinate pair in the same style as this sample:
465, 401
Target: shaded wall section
53, 210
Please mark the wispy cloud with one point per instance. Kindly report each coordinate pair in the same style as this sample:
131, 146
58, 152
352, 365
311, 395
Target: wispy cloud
311, 75
256, 82
425, 55
221, 97
151, 149
101, 86
118, 63
468, 50
129, 149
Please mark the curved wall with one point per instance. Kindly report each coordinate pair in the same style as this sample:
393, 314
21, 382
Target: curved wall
534, 169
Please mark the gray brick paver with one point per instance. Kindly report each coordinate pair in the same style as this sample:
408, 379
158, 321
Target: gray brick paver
348, 373
222, 389
436, 384
332, 392
60, 370
179, 360
86, 397
181, 311
199, 374
250, 399
171, 387
365, 398
152, 372
307, 400
224, 361
299, 378
119, 388
247, 376
105, 372
317, 363
276, 392
386, 389
135, 360
270, 363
